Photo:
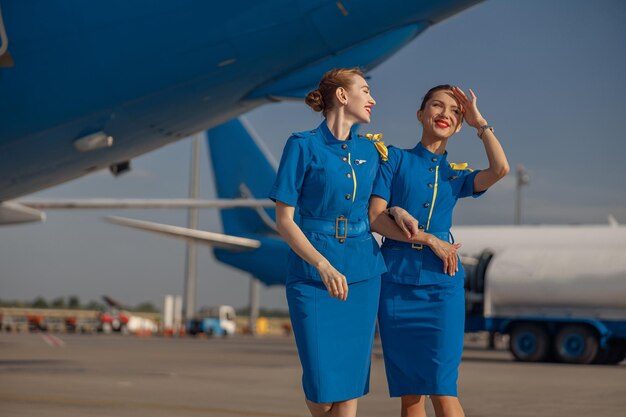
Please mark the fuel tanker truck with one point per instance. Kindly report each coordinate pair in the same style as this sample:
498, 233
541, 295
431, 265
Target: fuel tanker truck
558, 292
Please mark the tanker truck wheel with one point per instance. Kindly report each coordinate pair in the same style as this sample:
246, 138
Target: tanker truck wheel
529, 342
576, 343
612, 354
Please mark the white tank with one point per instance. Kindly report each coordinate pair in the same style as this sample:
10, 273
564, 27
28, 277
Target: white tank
567, 271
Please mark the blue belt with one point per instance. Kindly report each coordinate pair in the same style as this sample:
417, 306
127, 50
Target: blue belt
390, 243
340, 227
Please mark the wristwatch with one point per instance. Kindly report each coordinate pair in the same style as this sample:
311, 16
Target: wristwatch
482, 129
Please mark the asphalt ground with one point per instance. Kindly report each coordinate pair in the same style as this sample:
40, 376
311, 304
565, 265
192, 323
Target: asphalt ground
115, 375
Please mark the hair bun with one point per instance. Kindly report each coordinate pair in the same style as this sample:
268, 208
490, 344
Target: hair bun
315, 100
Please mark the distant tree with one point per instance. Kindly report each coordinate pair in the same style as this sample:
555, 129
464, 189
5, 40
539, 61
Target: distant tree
15, 303
146, 307
73, 302
58, 303
39, 302
94, 305
242, 311
263, 312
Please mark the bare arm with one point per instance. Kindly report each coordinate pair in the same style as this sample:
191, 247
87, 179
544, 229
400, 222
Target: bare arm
334, 281
498, 164
381, 223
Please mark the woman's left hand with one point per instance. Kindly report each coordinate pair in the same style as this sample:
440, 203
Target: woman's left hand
469, 108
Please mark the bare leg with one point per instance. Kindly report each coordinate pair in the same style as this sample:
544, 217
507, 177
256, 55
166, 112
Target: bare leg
336, 409
413, 406
319, 409
447, 406
344, 408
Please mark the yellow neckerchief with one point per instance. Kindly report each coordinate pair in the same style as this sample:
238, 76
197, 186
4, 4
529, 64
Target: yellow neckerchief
461, 167
379, 144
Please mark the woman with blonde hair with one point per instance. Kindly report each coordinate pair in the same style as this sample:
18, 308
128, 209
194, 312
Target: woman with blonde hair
322, 193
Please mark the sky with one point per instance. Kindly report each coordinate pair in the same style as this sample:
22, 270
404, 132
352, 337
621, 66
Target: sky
549, 76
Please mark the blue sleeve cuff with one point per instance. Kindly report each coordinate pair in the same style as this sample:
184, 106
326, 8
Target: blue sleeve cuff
283, 196
468, 186
384, 194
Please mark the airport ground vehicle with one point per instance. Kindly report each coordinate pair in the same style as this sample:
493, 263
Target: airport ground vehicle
565, 304
48, 320
114, 318
10, 323
218, 321
82, 325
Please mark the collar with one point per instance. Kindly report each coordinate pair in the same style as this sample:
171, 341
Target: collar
329, 137
422, 152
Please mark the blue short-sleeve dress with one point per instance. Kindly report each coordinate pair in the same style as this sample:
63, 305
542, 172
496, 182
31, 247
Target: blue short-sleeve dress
422, 309
329, 181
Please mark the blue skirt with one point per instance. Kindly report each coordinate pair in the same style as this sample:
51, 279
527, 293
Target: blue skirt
334, 338
421, 330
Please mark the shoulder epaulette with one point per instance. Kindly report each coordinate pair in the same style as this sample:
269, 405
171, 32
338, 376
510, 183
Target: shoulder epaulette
461, 167
379, 144
304, 133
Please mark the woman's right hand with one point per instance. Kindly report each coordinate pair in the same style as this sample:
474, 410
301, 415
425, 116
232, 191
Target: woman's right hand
335, 282
447, 253
407, 223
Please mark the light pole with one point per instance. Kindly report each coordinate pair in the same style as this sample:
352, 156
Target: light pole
522, 179
192, 223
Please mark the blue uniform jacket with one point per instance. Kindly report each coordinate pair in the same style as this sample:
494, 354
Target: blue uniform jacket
427, 186
325, 178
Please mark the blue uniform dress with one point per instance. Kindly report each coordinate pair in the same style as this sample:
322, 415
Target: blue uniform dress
422, 309
329, 181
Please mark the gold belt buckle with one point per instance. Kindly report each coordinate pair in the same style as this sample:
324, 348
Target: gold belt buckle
345, 227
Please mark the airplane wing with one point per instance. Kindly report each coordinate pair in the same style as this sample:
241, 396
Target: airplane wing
219, 240
12, 212
144, 203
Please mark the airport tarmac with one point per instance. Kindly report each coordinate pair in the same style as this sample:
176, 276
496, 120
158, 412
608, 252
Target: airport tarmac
115, 375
